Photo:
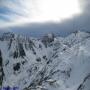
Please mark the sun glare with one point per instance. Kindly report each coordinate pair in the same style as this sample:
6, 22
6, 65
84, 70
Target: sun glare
42, 11
51, 10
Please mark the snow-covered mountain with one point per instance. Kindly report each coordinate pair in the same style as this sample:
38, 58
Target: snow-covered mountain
49, 63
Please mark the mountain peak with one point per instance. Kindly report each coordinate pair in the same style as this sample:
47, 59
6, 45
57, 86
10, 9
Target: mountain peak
49, 63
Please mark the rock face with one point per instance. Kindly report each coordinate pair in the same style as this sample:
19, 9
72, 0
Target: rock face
85, 84
51, 63
47, 39
1, 69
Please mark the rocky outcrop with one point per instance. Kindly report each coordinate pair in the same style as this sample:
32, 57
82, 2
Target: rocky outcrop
48, 63
1, 69
85, 85
47, 39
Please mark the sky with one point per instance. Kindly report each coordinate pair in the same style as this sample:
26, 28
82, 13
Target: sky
38, 17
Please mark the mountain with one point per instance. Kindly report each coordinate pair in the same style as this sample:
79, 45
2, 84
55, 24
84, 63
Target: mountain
48, 63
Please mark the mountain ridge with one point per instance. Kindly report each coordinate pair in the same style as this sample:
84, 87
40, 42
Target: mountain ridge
51, 63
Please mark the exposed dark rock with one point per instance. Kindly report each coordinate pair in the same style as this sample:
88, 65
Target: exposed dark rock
38, 59
7, 36
0, 59
47, 39
85, 85
40, 46
10, 43
1, 68
31, 44
7, 63
44, 57
16, 67
23, 62
21, 50
15, 55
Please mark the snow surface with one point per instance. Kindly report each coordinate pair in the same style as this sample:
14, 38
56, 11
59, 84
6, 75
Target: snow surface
62, 65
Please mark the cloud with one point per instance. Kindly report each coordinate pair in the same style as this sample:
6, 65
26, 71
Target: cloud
85, 4
80, 22
11, 11
19, 12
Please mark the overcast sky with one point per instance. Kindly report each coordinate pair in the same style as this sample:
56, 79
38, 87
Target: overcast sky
15, 19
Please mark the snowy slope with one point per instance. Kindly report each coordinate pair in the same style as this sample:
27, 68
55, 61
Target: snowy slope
49, 63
